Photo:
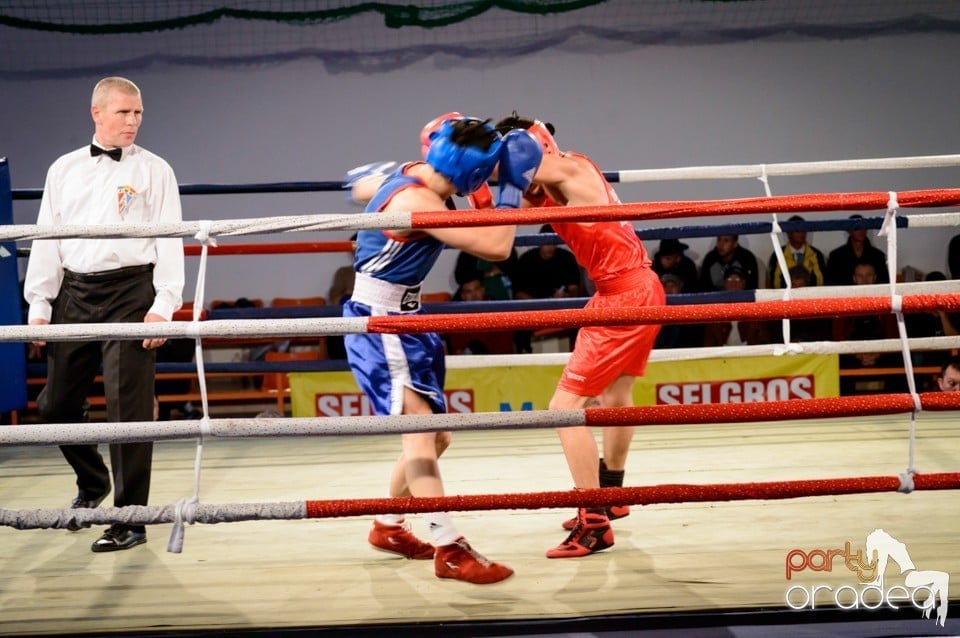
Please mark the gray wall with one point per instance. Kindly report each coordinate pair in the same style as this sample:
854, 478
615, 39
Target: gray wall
646, 107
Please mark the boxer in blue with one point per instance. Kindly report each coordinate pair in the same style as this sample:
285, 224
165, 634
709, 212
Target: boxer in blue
404, 374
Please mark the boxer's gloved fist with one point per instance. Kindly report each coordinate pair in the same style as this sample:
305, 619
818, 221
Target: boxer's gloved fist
374, 169
520, 156
482, 197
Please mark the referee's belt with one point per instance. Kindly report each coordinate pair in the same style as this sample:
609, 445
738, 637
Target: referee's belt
378, 293
107, 275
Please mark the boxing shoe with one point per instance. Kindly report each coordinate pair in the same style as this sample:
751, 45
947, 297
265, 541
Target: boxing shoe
398, 539
591, 534
461, 562
613, 513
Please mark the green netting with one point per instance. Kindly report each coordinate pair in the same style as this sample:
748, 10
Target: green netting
67, 38
86, 19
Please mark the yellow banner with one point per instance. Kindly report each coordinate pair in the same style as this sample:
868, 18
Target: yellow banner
508, 388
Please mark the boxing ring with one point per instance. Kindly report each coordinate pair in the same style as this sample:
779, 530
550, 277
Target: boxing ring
747, 512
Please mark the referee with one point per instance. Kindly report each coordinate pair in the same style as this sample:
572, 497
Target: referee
96, 280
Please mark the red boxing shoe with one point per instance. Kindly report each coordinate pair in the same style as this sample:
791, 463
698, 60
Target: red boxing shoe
613, 513
591, 534
398, 539
462, 562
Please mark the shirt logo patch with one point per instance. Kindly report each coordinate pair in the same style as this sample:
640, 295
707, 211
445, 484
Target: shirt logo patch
125, 195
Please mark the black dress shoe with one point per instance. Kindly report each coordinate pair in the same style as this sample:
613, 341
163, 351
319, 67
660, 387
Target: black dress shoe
118, 537
82, 503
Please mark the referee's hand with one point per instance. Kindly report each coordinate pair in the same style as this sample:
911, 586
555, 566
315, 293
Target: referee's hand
152, 344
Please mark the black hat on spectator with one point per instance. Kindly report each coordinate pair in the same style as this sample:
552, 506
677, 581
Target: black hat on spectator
734, 269
672, 247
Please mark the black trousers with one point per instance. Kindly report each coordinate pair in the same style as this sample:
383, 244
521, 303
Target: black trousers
122, 295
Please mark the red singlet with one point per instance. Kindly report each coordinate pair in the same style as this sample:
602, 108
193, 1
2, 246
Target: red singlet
618, 264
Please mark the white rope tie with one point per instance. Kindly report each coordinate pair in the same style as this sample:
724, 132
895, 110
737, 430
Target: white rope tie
889, 230
906, 481
781, 349
184, 510
175, 545
775, 238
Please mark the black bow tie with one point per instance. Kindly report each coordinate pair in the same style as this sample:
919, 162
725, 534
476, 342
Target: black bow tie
114, 154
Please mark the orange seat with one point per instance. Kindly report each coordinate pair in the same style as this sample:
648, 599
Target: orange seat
278, 381
298, 301
186, 312
435, 297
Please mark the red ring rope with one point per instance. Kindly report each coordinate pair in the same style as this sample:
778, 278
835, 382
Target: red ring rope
668, 493
693, 313
665, 210
275, 248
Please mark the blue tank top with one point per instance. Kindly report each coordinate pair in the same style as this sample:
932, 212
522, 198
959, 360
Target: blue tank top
398, 260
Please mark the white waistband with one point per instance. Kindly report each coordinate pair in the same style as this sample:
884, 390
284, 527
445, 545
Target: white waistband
378, 293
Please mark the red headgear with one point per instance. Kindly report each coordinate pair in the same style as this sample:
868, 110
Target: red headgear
542, 134
432, 127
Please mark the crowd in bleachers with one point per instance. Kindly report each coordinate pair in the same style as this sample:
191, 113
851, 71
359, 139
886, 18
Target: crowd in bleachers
549, 271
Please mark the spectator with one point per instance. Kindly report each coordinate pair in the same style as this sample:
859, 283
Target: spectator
497, 277
340, 290
953, 257
813, 329
546, 272
497, 342
735, 333
842, 261
728, 252
930, 324
670, 258
674, 335
949, 379
797, 252
862, 328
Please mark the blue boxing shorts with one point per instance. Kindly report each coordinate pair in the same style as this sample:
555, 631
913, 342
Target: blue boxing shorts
384, 364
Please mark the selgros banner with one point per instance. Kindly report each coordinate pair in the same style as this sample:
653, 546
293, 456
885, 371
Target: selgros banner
510, 388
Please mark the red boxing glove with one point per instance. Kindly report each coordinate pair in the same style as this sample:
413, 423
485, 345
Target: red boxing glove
482, 197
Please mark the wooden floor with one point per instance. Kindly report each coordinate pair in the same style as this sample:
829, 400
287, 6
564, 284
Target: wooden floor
321, 573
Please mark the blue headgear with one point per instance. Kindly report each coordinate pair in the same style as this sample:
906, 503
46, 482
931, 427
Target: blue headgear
466, 166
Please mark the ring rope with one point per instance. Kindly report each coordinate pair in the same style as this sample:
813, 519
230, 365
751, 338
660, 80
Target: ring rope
464, 362
406, 220
761, 171
487, 322
192, 512
184, 505
668, 414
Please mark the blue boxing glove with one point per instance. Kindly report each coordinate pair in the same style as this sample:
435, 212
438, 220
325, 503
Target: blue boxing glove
520, 157
354, 175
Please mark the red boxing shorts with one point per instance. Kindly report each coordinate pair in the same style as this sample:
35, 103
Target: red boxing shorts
604, 353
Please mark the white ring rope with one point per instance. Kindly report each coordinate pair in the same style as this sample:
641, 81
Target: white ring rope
185, 510
762, 171
468, 362
297, 223
300, 327
227, 227
233, 428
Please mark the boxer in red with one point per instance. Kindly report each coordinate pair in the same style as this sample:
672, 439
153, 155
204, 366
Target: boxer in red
605, 360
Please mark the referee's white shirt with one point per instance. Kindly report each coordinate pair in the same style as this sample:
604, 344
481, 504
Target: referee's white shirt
91, 191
